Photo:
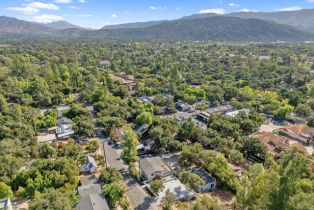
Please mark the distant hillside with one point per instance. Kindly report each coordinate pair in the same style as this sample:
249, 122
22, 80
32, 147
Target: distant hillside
13, 25
211, 28
134, 25
303, 19
206, 28
61, 25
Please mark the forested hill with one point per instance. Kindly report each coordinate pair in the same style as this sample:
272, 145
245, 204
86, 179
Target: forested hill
13, 25
211, 28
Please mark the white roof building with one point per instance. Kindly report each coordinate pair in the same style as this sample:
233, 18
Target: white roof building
174, 185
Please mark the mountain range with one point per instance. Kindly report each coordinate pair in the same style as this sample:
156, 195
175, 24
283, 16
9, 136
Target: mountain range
61, 25
242, 26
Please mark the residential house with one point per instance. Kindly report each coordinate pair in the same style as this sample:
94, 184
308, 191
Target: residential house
236, 112
182, 107
64, 130
210, 182
145, 99
46, 138
5, 204
172, 160
116, 135
91, 198
180, 191
88, 189
225, 109
301, 133
153, 167
203, 116
141, 130
166, 96
221, 109
139, 199
143, 149
276, 144
90, 166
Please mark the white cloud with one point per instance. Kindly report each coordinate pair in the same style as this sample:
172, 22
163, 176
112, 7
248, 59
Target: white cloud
233, 5
25, 10
158, 8
41, 5
33, 7
84, 15
46, 18
74, 7
81, 1
62, 1
288, 9
310, 1
215, 11
247, 10
178, 8
114, 15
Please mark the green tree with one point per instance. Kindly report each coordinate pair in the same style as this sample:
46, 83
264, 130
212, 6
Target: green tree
5, 191
47, 151
293, 169
311, 122
207, 203
110, 175
93, 145
114, 192
129, 153
303, 110
257, 190
191, 180
156, 186
144, 118
283, 112
51, 199
168, 199
83, 126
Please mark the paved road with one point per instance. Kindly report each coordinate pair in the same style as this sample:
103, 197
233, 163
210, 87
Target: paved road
140, 200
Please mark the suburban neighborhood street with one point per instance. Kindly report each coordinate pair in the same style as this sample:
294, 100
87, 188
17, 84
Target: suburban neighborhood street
139, 199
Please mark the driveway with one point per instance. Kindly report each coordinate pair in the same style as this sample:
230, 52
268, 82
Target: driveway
139, 199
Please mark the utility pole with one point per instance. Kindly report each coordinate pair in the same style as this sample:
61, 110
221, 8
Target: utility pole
103, 145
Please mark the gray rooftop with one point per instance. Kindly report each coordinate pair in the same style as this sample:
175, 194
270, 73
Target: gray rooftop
89, 189
220, 109
139, 199
204, 175
92, 202
151, 165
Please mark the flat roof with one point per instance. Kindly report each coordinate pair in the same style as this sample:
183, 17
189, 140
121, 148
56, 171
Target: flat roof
174, 185
46, 138
220, 109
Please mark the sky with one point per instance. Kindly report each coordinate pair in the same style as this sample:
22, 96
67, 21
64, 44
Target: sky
97, 13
